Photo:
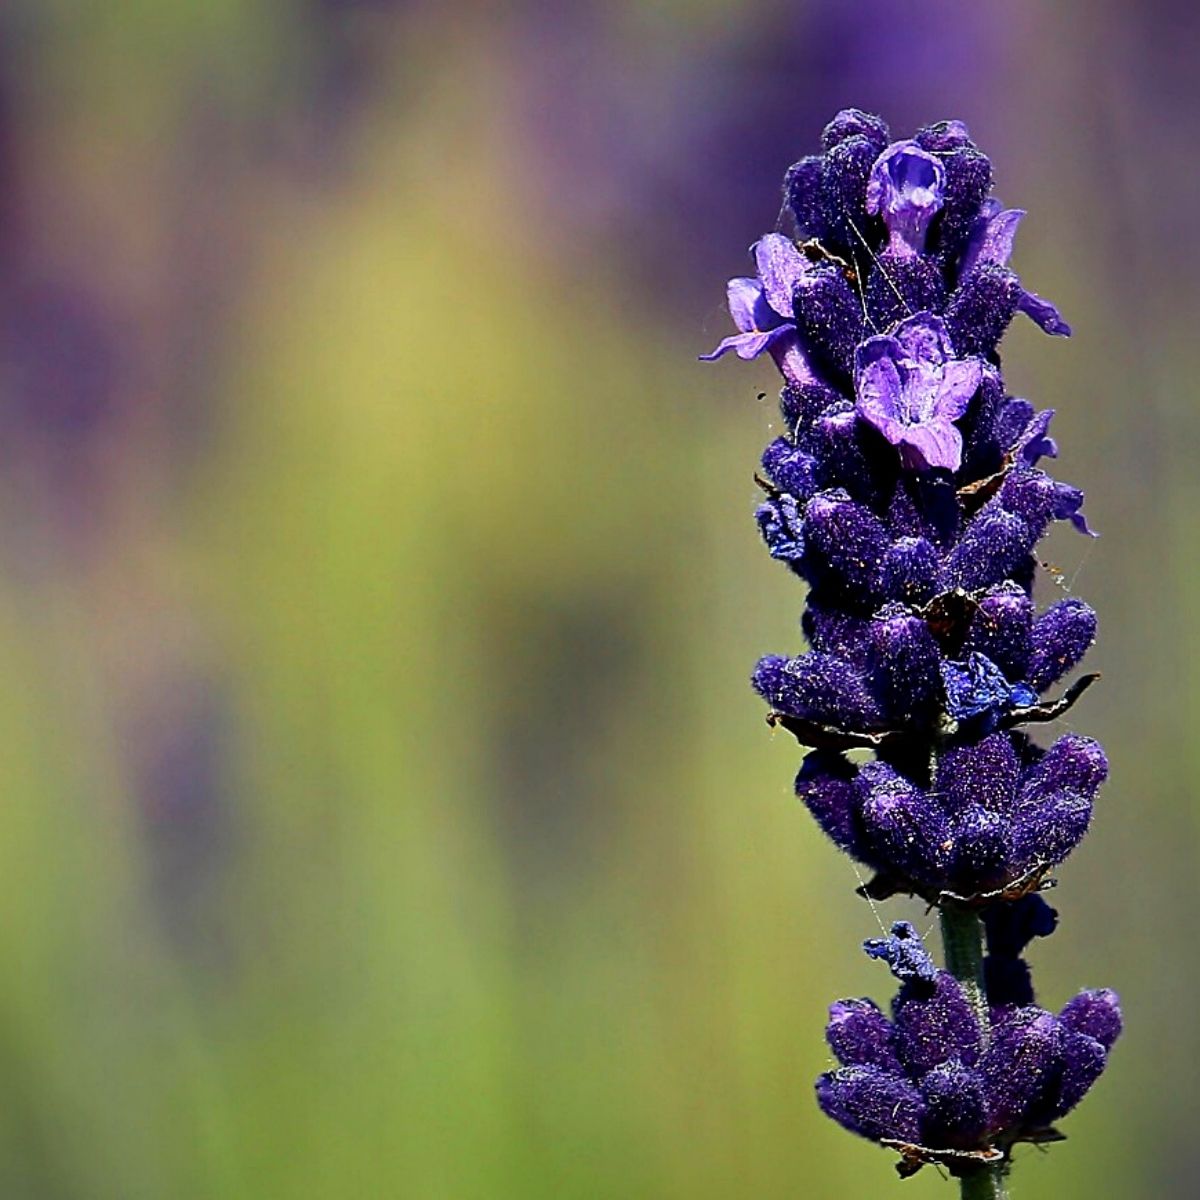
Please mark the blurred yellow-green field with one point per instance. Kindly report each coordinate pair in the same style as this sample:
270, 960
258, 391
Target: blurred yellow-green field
385, 810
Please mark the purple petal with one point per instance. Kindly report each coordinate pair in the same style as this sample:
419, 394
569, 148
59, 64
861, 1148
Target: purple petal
925, 339
985, 773
991, 239
748, 306
849, 539
780, 267
1019, 1064
1060, 638
906, 665
935, 444
790, 358
1083, 1062
960, 381
816, 687
853, 122
910, 570
791, 469
745, 345
1035, 442
906, 187
1011, 927
956, 1106
991, 548
826, 786
1049, 831
1012, 418
944, 135
1074, 763
879, 387
1068, 505
903, 827
1001, 629
934, 1026
982, 850
1043, 314
1038, 499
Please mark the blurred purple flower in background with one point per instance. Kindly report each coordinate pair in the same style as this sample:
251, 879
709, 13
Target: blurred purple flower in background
599, 110
110, 368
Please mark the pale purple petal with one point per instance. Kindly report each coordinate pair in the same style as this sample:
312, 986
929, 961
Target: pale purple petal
925, 337
879, 384
932, 444
790, 358
760, 328
748, 306
882, 347
746, 345
1043, 314
991, 241
780, 267
906, 187
960, 381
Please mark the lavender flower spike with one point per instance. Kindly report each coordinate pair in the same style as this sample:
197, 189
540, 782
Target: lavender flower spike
909, 492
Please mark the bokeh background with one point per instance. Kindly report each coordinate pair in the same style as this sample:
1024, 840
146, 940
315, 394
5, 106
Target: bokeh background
385, 811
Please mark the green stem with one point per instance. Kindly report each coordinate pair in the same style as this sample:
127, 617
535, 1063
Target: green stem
985, 1184
962, 937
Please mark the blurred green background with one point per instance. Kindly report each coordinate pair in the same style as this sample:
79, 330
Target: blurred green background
385, 811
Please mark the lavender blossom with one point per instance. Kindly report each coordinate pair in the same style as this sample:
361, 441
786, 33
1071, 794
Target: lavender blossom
935, 1083
908, 494
762, 309
907, 189
999, 812
912, 389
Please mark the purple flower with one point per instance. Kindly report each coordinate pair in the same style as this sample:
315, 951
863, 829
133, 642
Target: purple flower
904, 952
906, 188
977, 686
999, 807
912, 389
762, 309
929, 1077
991, 244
